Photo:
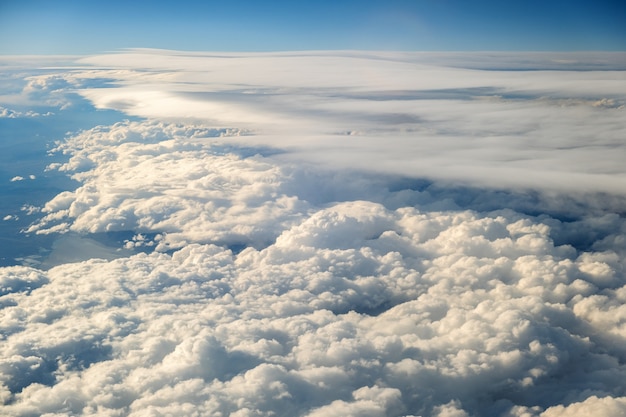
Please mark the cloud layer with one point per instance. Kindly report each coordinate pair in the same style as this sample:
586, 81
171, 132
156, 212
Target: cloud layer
270, 249
356, 310
550, 121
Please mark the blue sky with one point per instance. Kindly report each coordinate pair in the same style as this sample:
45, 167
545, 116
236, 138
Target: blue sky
79, 27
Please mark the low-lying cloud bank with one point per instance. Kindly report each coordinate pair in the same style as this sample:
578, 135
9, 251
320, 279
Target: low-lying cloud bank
275, 265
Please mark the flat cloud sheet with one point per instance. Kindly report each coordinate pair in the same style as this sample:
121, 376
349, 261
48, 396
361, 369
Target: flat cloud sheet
323, 234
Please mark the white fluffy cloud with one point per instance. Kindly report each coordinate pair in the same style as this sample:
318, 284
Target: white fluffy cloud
151, 177
253, 283
355, 310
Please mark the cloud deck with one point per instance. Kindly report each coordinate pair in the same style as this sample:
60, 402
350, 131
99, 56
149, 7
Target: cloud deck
378, 243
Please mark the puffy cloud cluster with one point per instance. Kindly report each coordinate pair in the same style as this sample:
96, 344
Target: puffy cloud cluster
249, 283
355, 310
171, 180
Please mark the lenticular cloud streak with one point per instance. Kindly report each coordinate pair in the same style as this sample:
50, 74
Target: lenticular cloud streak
257, 275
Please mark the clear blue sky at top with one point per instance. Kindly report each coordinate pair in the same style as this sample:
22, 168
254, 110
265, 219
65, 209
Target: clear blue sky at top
84, 27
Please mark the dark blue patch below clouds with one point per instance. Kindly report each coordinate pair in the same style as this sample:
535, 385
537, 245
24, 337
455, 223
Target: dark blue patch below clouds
25, 143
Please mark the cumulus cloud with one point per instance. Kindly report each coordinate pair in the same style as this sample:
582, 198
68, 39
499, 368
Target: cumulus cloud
606, 406
356, 310
151, 177
20, 178
286, 270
